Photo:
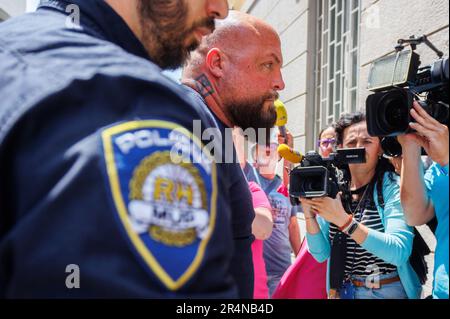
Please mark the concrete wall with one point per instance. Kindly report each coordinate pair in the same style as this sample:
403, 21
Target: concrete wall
235, 4
383, 22
12, 8
291, 19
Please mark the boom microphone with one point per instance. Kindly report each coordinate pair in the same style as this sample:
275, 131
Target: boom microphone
289, 154
281, 117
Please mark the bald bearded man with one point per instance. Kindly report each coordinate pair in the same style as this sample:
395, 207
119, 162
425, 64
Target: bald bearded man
236, 74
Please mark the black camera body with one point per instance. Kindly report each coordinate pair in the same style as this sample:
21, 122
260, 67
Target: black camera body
397, 80
392, 148
323, 177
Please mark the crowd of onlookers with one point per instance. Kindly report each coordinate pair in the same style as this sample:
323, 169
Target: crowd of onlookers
365, 245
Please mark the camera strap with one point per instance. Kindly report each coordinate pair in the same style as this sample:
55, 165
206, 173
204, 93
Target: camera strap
363, 200
271, 186
338, 254
337, 261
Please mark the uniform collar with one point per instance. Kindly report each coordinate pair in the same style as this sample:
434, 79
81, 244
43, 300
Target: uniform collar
101, 21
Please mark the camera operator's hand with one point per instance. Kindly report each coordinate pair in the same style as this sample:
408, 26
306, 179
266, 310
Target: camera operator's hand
312, 227
306, 207
431, 135
329, 209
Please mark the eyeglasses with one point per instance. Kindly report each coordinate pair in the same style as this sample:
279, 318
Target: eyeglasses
324, 143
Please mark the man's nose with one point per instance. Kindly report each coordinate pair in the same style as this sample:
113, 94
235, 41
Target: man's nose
278, 82
217, 8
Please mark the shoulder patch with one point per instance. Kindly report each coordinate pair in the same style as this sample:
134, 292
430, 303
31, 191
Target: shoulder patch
164, 189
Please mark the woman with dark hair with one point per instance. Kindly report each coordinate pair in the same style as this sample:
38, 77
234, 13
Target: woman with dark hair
364, 237
327, 141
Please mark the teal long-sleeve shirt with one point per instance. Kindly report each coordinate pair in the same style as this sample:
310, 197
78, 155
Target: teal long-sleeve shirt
394, 246
436, 181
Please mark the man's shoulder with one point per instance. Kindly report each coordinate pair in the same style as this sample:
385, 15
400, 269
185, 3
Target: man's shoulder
64, 65
41, 45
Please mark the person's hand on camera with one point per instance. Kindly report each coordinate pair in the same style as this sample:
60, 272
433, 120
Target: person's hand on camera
306, 207
329, 209
431, 135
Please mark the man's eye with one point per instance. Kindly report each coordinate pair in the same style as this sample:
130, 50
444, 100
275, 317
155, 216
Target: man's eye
268, 65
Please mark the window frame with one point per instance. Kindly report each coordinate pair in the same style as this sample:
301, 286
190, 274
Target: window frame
336, 91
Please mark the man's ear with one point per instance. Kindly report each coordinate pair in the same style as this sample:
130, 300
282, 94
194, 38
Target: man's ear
215, 62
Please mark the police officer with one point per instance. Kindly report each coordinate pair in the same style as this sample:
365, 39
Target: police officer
104, 190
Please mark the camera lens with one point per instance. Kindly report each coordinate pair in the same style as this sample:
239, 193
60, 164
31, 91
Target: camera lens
313, 184
308, 182
393, 112
391, 146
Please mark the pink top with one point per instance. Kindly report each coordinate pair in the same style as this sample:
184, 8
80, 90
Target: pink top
259, 197
283, 190
261, 291
305, 279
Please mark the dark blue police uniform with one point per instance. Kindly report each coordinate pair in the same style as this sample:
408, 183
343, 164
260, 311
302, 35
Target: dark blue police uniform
99, 169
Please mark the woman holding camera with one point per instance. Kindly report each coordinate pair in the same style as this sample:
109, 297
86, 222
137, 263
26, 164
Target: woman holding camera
364, 237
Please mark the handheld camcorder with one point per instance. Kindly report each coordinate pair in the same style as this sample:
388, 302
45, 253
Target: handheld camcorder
397, 81
323, 177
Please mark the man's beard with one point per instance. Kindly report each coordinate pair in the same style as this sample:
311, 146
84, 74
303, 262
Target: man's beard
251, 114
163, 24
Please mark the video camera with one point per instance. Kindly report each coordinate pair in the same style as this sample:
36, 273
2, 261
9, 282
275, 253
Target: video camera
323, 177
397, 81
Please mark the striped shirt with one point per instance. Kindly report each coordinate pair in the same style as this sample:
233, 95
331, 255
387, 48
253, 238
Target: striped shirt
359, 262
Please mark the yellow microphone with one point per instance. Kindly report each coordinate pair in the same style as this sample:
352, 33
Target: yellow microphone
289, 154
281, 117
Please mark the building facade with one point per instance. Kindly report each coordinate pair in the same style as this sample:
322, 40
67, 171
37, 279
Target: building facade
329, 45
11, 8
328, 48
235, 4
